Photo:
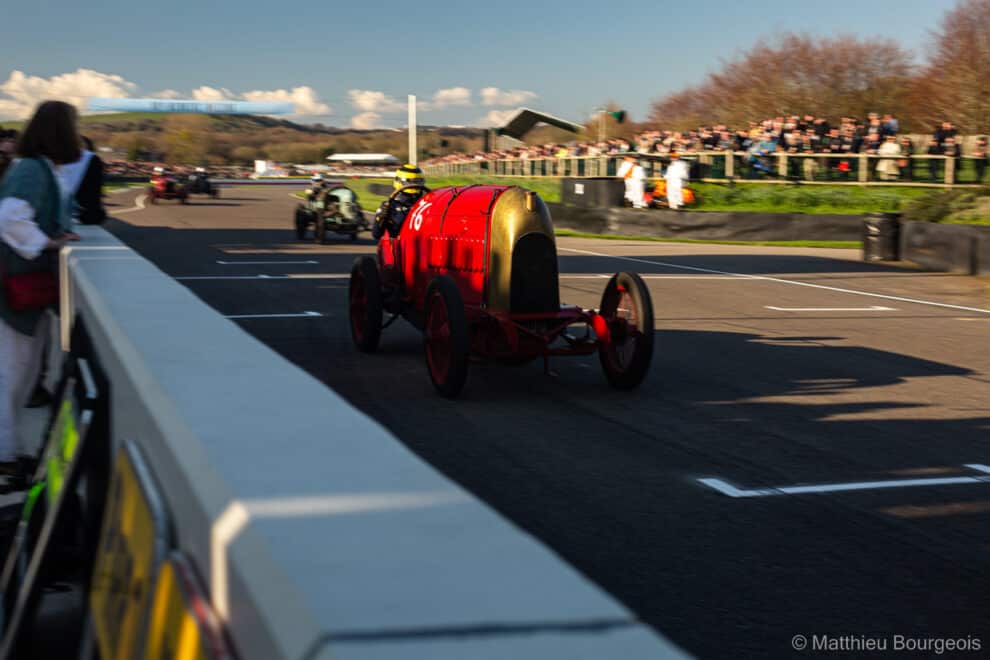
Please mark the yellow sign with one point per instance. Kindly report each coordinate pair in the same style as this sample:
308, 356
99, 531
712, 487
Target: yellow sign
182, 626
128, 558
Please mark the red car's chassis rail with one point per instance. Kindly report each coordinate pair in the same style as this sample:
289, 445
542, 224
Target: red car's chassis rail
518, 328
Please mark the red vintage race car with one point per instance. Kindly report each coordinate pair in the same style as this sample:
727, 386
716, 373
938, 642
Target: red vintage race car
475, 268
167, 186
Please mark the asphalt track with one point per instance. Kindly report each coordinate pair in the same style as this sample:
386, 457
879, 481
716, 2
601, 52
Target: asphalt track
772, 369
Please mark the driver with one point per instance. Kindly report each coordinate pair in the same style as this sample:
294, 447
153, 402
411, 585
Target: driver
315, 187
409, 185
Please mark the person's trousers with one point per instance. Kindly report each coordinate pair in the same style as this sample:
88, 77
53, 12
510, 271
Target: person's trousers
675, 195
20, 362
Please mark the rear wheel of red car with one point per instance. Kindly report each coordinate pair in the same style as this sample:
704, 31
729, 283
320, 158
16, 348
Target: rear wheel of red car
151, 197
628, 350
365, 297
445, 337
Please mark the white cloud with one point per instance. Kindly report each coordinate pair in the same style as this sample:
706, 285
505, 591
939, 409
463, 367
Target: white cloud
366, 121
167, 94
304, 99
367, 100
206, 93
496, 118
370, 101
449, 98
21, 93
496, 96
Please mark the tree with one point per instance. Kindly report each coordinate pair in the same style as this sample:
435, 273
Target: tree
955, 86
186, 138
794, 75
247, 155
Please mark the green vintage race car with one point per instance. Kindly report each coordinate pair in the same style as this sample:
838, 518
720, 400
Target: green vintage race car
333, 209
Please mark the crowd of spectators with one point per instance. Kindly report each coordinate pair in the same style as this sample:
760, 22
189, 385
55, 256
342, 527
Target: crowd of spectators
877, 135
143, 169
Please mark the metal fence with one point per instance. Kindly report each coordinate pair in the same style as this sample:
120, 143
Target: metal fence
718, 166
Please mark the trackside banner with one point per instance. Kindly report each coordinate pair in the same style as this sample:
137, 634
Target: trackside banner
98, 104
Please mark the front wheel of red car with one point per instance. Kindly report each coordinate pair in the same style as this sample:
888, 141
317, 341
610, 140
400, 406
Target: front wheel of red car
627, 350
445, 337
365, 297
151, 197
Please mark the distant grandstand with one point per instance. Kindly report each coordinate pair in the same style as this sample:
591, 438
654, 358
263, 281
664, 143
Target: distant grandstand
364, 160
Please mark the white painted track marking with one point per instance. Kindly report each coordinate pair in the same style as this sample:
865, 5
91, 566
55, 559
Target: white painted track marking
303, 315
138, 206
605, 276
781, 281
263, 263
294, 276
874, 308
728, 489
336, 276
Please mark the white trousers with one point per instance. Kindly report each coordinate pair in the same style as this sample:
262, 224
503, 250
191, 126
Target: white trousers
20, 364
635, 190
675, 194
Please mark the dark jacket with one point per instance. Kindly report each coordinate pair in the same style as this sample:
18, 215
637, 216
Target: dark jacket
89, 195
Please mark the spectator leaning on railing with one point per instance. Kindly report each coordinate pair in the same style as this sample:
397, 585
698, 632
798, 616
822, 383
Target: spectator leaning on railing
35, 218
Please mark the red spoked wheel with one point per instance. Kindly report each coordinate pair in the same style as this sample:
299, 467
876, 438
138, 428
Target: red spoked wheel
445, 337
365, 298
627, 351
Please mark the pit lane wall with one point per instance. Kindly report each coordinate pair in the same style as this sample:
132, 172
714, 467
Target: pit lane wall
961, 249
659, 223
315, 532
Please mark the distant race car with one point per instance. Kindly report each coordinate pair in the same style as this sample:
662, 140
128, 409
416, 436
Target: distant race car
198, 183
164, 185
475, 268
334, 209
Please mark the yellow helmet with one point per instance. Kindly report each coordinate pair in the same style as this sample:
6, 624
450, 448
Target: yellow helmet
408, 175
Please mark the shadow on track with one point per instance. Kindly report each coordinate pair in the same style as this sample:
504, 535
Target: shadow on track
606, 478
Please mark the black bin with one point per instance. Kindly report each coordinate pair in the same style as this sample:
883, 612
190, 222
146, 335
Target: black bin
881, 236
592, 192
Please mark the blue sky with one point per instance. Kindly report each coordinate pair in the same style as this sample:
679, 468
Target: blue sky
565, 57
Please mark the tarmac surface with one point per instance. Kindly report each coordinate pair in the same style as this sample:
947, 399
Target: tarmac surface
839, 413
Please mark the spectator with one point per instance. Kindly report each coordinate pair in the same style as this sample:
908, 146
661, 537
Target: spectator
887, 166
904, 163
89, 190
944, 132
34, 223
980, 157
890, 125
934, 151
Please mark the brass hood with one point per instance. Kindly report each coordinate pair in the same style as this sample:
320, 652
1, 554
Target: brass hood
520, 213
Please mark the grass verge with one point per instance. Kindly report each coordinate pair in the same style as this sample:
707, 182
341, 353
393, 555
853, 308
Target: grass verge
818, 200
